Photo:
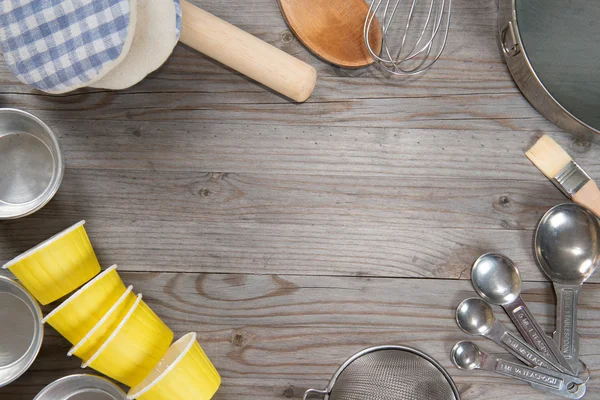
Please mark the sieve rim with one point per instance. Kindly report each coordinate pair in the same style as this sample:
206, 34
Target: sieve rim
327, 392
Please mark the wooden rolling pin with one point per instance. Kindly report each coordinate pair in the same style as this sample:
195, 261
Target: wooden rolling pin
246, 54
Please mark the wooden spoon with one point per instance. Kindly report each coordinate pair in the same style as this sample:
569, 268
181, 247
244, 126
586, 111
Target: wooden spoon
333, 29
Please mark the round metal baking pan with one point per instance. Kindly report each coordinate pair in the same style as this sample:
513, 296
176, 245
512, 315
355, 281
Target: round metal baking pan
552, 50
31, 164
81, 387
21, 330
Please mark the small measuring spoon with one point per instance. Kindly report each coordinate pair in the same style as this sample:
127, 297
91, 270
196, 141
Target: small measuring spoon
567, 248
475, 317
496, 279
467, 356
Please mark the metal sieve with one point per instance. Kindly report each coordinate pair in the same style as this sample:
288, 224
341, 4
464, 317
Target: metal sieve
389, 373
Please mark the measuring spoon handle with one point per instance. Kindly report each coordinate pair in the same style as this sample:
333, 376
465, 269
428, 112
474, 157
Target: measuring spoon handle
567, 297
517, 347
534, 334
538, 377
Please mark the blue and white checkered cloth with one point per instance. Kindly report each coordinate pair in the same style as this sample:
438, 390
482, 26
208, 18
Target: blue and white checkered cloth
178, 17
61, 45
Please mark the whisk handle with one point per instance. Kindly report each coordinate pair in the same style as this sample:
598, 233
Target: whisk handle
311, 392
246, 54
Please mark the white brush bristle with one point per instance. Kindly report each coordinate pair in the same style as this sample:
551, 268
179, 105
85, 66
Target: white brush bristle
548, 156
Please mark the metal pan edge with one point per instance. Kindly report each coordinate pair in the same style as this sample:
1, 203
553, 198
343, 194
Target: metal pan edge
14, 370
525, 76
69, 386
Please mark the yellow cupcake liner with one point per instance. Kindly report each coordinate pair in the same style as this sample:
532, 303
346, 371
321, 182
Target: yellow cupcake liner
57, 266
75, 317
134, 348
184, 373
91, 342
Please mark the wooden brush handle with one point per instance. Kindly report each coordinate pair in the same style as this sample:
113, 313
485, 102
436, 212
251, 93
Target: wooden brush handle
589, 196
246, 53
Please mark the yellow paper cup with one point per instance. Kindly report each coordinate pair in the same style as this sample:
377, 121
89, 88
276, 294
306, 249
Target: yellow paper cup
77, 315
90, 344
57, 266
184, 373
134, 348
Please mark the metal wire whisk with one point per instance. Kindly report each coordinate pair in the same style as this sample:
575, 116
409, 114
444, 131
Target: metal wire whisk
421, 37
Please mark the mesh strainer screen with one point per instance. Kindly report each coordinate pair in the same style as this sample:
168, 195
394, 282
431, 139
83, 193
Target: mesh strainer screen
391, 375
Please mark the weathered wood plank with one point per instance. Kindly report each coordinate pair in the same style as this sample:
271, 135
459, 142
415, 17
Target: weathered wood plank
206, 80
273, 337
275, 149
457, 112
346, 249
322, 225
302, 199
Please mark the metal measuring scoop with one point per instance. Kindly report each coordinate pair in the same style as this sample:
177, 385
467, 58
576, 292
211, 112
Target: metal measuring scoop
496, 279
475, 317
466, 355
567, 248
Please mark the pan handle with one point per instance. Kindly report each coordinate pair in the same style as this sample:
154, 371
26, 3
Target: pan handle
509, 49
246, 54
312, 392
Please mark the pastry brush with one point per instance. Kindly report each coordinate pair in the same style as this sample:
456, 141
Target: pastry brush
564, 173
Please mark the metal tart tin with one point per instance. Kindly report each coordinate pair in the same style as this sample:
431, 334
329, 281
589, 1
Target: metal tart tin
31, 164
21, 330
81, 387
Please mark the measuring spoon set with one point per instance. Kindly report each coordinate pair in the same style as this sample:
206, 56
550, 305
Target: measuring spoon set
567, 249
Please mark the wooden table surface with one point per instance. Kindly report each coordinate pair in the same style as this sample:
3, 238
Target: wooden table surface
291, 236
